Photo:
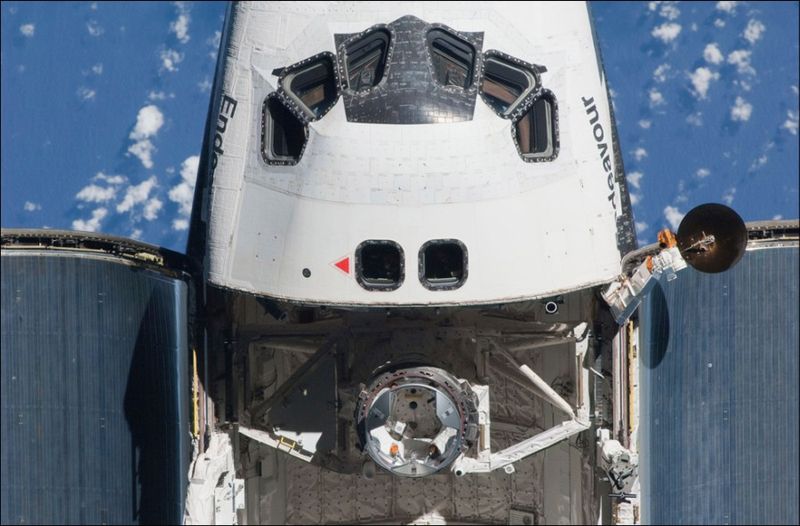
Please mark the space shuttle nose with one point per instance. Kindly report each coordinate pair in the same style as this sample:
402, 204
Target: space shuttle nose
712, 238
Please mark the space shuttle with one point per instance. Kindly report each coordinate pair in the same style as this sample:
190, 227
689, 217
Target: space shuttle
412, 294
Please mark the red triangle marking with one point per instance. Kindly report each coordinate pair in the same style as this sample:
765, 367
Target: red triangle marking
343, 265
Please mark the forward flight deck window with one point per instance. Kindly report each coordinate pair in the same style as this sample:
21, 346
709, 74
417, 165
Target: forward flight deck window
312, 85
365, 60
505, 84
453, 59
535, 130
283, 135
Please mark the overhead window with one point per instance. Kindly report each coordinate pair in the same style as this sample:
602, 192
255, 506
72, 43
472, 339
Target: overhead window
505, 84
535, 130
453, 59
443, 264
365, 60
283, 134
312, 85
379, 265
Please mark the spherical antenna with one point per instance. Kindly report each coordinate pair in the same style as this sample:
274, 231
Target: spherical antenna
712, 238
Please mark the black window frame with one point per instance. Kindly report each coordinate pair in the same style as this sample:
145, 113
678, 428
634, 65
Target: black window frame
369, 283
268, 121
291, 73
443, 285
454, 41
362, 40
527, 70
550, 126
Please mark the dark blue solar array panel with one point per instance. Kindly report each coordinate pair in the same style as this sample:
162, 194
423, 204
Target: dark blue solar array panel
94, 392
719, 387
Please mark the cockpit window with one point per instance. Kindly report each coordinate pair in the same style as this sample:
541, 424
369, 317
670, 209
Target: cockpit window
283, 135
312, 85
365, 60
505, 83
536, 132
453, 59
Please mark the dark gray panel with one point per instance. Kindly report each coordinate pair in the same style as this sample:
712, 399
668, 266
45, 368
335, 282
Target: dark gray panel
94, 391
719, 387
408, 93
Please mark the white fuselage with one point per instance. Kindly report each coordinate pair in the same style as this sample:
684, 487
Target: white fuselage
531, 229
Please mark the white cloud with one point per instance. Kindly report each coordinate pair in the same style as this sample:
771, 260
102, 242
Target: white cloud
728, 196
639, 153
702, 173
645, 124
640, 227
214, 43
136, 234
160, 95
27, 30
180, 26
635, 178
180, 224
656, 98
728, 7
701, 79
215, 40
635, 198
761, 161
695, 119
148, 121
712, 54
795, 90
763, 158
720, 23
741, 110
94, 28
97, 69
746, 86
790, 124
136, 194
669, 10
752, 33
151, 209
183, 193
32, 207
673, 216
170, 60
86, 94
110, 179
92, 224
741, 59
661, 72
96, 194
667, 32
205, 85
777, 217
144, 151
